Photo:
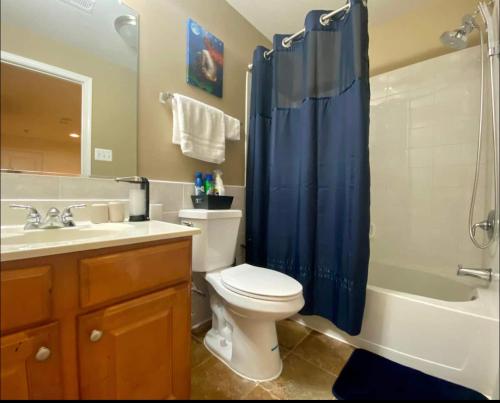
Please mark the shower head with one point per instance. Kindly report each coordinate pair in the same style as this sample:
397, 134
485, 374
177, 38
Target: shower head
454, 39
458, 38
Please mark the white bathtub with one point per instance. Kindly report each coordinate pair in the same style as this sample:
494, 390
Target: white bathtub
442, 326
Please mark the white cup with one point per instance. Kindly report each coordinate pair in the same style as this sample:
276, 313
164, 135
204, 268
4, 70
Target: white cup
156, 212
99, 213
116, 211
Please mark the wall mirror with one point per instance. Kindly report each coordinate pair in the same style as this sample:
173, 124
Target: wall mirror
69, 78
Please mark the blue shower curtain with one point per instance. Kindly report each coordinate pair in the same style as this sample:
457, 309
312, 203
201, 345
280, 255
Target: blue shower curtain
308, 183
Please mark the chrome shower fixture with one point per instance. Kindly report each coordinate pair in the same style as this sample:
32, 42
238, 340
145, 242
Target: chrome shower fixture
458, 38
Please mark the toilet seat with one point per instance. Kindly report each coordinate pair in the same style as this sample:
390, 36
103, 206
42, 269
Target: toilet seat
262, 284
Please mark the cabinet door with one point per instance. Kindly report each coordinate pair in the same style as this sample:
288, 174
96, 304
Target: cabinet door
31, 365
137, 350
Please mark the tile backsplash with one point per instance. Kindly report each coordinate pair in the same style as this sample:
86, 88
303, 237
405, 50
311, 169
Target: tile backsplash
45, 191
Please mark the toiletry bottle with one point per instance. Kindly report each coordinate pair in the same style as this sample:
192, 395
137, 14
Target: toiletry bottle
209, 185
199, 188
219, 185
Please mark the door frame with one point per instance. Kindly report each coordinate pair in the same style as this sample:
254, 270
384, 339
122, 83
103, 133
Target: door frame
84, 81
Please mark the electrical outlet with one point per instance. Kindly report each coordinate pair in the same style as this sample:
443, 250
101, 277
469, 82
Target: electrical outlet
102, 154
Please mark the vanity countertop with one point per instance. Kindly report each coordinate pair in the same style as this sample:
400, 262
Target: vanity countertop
17, 244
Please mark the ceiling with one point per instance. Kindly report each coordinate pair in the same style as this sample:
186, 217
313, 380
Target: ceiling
287, 17
38, 106
60, 20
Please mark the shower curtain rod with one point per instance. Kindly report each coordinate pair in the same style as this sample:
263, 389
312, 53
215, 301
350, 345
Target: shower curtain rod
324, 20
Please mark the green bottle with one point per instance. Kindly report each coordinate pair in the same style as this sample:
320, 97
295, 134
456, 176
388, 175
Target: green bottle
209, 185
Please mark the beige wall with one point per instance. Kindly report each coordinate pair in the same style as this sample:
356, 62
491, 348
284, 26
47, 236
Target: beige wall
114, 95
163, 68
414, 37
411, 38
406, 40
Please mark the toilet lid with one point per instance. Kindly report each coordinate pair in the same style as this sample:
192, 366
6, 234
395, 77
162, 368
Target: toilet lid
259, 283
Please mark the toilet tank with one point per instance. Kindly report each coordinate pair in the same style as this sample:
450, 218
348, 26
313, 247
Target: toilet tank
215, 247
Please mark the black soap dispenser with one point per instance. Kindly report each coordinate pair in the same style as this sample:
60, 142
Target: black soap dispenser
138, 198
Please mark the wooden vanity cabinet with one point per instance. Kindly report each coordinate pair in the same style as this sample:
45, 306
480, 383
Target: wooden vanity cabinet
103, 324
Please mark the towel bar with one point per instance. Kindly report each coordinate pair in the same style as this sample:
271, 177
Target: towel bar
165, 96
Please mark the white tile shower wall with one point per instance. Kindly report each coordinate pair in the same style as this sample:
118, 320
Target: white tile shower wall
46, 191
423, 143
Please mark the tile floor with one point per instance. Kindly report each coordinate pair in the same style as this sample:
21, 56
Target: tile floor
311, 363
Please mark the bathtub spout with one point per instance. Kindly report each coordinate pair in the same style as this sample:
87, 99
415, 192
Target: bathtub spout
484, 274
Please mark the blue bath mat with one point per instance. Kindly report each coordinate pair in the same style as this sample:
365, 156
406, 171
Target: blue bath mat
368, 376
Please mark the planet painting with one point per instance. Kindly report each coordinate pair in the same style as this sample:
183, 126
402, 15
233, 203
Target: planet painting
205, 59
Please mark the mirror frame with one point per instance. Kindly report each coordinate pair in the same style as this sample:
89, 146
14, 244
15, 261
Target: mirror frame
86, 84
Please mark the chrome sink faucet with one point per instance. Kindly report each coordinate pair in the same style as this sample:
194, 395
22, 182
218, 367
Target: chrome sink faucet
484, 274
53, 219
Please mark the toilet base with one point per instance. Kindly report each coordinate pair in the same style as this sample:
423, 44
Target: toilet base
221, 350
243, 334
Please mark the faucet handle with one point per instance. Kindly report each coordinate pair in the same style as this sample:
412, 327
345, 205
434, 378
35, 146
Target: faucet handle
68, 209
33, 219
67, 214
32, 210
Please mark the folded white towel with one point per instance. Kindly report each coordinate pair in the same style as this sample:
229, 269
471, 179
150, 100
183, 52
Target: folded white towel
232, 128
199, 129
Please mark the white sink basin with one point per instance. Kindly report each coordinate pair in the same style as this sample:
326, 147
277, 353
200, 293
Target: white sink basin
18, 237
16, 243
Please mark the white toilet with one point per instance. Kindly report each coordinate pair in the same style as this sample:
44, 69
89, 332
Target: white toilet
246, 301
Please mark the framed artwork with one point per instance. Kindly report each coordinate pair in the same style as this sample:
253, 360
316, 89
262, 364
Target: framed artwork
205, 59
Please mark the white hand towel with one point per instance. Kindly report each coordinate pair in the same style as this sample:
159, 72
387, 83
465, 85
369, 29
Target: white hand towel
232, 128
199, 129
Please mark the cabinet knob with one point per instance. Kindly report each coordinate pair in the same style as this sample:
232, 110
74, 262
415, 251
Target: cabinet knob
42, 354
96, 335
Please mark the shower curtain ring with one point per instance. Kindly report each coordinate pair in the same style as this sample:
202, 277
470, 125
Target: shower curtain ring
286, 43
267, 55
324, 20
